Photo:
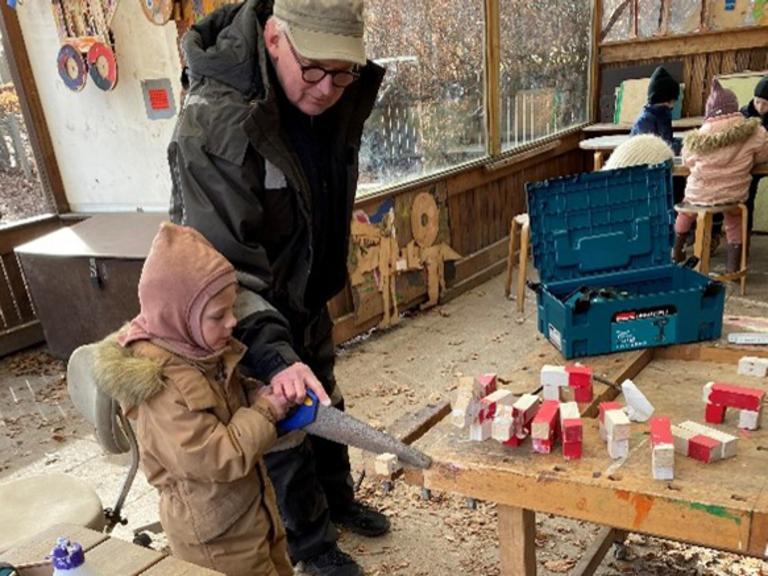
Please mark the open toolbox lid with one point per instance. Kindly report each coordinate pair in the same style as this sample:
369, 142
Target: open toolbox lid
600, 222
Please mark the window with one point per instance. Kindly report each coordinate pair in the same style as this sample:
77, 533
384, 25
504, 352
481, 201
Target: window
544, 75
429, 114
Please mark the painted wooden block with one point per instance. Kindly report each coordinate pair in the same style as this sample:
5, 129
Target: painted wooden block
714, 413
617, 425
386, 464
753, 366
734, 396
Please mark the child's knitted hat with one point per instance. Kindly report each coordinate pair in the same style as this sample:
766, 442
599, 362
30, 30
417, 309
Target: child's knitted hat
640, 149
721, 101
662, 87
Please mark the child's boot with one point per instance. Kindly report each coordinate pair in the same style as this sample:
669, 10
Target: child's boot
732, 258
678, 251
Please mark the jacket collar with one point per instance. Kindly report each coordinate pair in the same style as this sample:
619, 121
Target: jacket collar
728, 130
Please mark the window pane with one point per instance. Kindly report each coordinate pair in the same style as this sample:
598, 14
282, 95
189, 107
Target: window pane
21, 192
544, 76
618, 11
429, 113
684, 16
648, 17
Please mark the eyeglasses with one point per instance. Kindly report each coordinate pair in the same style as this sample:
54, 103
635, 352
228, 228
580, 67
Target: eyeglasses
314, 74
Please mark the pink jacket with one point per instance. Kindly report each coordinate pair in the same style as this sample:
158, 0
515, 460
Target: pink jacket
721, 155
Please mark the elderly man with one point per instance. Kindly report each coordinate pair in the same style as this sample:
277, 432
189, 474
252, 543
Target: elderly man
264, 163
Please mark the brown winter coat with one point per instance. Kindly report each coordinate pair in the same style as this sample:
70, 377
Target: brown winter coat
201, 445
721, 155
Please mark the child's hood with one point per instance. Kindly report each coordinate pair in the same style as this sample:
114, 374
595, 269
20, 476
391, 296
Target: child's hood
127, 378
721, 133
180, 276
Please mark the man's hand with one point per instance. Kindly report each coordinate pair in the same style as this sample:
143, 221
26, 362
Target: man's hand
292, 383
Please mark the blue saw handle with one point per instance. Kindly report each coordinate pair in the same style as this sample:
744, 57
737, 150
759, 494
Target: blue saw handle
300, 416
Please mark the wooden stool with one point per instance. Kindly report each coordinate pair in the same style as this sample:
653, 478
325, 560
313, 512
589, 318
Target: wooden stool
704, 216
520, 225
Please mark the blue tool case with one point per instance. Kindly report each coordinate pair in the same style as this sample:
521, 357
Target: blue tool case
601, 244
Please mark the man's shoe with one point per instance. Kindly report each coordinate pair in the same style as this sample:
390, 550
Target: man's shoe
361, 519
332, 562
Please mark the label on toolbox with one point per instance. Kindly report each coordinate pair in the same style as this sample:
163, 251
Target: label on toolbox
632, 329
555, 337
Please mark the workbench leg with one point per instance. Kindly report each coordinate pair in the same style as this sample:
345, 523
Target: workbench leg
517, 541
592, 558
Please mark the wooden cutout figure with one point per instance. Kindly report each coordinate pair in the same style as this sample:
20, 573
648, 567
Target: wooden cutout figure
389, 252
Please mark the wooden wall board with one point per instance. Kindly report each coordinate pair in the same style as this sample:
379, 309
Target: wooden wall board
722, 505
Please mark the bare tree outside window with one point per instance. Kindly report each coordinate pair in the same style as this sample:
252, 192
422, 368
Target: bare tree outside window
21, 192
429, 115
544, 75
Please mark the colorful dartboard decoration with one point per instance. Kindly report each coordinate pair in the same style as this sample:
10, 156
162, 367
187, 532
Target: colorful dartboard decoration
86, 43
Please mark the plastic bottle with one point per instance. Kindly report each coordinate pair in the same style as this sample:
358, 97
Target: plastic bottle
68, 559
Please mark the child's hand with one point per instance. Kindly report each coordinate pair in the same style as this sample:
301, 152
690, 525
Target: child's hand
279, 403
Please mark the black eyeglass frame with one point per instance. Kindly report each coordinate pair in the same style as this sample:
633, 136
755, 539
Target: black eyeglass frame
353, 74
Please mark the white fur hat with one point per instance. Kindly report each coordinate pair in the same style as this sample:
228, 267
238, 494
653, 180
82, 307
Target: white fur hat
640, 149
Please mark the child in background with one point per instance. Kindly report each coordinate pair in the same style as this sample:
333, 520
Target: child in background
656, 115
721, 155
757, 108
638, 150
201, 433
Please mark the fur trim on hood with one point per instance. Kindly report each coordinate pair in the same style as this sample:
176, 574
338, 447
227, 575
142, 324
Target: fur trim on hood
129, 379
703, 143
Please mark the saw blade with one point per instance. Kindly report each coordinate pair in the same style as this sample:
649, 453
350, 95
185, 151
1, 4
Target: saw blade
333, 424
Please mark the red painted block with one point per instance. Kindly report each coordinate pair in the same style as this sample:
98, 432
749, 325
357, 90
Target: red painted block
579, 376
703, 448
714, 413
606, 406
736, 396
661, 430
487, 382
546, 419
572, 430
583, 394
513, 441
572, 450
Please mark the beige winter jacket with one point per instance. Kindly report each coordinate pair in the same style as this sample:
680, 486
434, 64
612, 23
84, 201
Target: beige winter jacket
721, 155
201, 446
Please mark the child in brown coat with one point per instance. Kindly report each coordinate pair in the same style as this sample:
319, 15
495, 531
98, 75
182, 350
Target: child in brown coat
201, 431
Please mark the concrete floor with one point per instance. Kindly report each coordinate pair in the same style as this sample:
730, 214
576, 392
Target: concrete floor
383, 376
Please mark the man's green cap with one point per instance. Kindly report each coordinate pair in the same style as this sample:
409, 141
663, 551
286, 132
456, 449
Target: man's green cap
324, 29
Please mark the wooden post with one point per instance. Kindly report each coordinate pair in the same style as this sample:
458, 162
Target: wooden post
594, 76
31, 107
517, 541
492, 71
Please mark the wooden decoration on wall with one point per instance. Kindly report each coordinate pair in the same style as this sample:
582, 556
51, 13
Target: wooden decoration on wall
375, 252
84, 27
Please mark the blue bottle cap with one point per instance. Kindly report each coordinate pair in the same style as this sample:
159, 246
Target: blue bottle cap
67, 555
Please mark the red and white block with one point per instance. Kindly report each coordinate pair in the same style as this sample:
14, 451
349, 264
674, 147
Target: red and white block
466, 404
486, 383
663, 451
703, 442
617, 429
720, 396
571, 430
605, 407
545, 425
569, 383
523, 412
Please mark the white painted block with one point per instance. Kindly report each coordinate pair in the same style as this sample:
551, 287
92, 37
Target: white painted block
554, 375
750, 419
480, 432
753, 366
551, 392
618, 448
617, 425
569, 411
663, 456
663, 473
706, 391
386, 464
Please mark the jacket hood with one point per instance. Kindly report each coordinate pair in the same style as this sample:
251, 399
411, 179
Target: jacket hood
181, 274
223, 46
721, 132
749, 111
129, 379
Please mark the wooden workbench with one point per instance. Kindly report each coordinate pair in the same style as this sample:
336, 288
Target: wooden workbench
624, 127
721, 505
103, 554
